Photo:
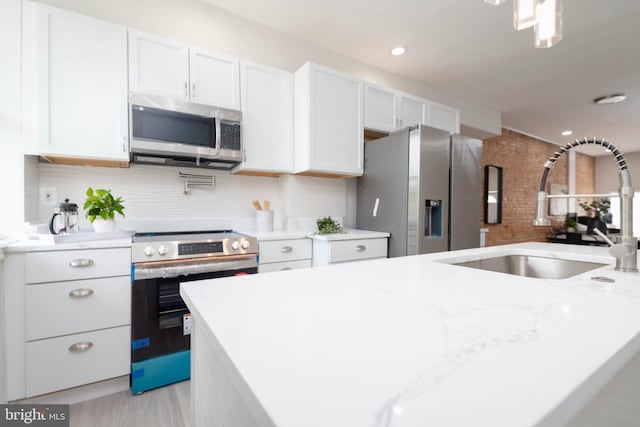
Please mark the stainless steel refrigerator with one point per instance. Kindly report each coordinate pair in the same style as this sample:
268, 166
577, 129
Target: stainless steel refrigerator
423, 186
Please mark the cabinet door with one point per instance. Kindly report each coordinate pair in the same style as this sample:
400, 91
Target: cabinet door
267, 119
158, 66
214, 79
81, 69
329, 122
380, 109
443, 117
412, 111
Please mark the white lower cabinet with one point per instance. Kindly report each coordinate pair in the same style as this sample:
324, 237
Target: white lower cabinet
75, 325
327, 251
284, 254
71, 360
77, 306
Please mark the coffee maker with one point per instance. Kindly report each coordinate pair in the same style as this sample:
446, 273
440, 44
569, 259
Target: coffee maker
65, 218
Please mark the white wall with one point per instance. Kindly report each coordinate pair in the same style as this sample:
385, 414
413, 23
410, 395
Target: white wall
207, 26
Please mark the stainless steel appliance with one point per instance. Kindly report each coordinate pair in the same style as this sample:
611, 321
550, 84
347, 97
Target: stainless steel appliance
423, 186
64, 219
164, 131
161, 322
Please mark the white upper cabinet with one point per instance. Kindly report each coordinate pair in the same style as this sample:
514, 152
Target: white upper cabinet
267, 119
329, 122
387, 110
76, 67
214, 79
411, 110
443, 117
165, 67
158, 66
380, 108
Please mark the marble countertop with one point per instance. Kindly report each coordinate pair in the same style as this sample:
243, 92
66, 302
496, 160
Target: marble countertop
275, 235
414, 341
350, 234
26, 244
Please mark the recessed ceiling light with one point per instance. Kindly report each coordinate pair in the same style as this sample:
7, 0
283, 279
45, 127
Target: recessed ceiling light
610, 99
567, 132
398, 50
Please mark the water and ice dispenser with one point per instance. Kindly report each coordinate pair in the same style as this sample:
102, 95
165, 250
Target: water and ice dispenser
433, 218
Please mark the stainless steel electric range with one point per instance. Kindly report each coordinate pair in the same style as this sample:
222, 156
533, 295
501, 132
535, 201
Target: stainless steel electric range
161, 322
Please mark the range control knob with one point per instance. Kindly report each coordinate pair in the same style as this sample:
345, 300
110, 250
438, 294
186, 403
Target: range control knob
245, 244
162, 250
235, 245
149, 251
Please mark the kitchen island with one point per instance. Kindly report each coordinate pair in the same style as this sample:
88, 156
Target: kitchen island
411, 341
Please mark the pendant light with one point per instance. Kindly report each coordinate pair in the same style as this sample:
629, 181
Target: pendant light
524, 14
548, 27
545, 16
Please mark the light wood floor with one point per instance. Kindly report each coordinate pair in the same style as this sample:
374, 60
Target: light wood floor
163, 407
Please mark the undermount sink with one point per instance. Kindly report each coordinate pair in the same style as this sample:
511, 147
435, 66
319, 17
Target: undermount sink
532, 266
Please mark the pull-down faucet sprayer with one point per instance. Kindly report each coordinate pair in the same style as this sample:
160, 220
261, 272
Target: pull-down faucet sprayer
625, 249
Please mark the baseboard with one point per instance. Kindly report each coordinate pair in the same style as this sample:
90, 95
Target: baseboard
80, 394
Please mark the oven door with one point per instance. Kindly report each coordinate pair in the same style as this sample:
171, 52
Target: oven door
158, 311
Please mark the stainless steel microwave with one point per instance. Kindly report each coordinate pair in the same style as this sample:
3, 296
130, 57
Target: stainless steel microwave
163, 131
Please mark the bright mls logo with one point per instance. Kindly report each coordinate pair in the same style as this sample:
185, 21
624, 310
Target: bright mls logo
34, 415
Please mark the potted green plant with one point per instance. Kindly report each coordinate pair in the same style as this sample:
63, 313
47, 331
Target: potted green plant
100, 208
327, 225
596, 209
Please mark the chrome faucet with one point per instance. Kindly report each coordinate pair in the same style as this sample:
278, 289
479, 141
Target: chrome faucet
625, 249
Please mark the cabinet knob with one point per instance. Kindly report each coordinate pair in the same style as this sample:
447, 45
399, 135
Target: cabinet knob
80, 262
286, 249
79, 347
361, 248
186, 89
193, 90
81, 293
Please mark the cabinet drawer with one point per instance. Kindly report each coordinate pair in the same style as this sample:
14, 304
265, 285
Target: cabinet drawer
63, 308
284, 250
56, 266
285, 265
60, 363
352, 250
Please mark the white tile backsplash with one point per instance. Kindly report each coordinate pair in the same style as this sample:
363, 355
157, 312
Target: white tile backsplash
154, 196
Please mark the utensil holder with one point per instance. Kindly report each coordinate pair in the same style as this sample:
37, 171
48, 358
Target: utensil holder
264, 221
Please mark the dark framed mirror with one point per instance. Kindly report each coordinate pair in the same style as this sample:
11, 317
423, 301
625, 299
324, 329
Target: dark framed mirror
492, 194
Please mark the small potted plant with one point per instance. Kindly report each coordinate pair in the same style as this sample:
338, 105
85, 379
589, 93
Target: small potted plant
100, 208
327, 225
599, 207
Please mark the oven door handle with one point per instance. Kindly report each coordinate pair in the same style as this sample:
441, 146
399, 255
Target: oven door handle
169, 269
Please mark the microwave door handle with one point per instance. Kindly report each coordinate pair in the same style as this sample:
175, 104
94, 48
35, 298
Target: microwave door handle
218, 134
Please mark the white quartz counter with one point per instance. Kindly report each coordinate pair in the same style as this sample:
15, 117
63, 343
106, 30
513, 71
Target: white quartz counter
350, 234
24, 244
414, 341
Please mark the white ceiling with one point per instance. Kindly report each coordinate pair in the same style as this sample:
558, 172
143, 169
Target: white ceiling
469, 48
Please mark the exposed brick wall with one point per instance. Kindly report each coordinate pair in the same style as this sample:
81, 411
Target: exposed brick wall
522, 161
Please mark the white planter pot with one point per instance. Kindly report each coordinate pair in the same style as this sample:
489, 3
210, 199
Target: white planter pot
104, 225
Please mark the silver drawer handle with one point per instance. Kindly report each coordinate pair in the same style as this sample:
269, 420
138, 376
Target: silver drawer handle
361, 248
79, 347
81, 262
81, 293
286, 249
285, 268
